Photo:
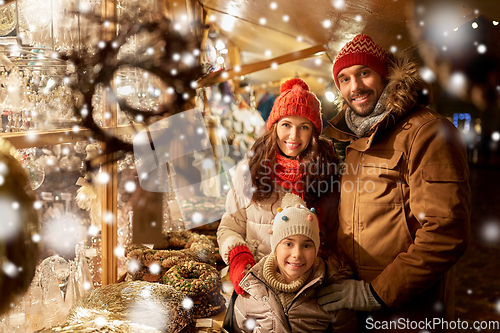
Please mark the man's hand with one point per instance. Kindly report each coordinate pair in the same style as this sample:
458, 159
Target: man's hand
348, 294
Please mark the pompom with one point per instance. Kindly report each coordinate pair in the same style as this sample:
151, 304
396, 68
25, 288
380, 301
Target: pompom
287, 85
310, 218
290, 199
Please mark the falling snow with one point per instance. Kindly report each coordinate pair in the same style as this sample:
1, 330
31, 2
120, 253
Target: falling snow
119, 252
9, 269
427, 74
197, 217
130, 186
187, 303
338, 4
103, 178
133, 266
490, 232
250, 324
10, 223
154, 268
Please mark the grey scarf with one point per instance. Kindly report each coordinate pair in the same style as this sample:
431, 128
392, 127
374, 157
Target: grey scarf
361, 125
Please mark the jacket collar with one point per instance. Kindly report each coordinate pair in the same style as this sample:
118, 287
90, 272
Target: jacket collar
406, 90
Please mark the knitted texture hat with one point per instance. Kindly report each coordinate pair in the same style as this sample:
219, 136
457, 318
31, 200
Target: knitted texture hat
295, 99
294, 218
362, 50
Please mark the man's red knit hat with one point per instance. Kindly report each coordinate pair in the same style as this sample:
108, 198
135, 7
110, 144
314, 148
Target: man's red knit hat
362, 50
295, 99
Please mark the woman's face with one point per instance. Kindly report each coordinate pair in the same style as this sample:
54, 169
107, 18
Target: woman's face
295, 255
294, 134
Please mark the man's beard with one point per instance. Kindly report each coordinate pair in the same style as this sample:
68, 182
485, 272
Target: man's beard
367, 108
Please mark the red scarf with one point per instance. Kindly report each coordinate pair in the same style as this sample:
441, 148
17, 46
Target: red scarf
289, 175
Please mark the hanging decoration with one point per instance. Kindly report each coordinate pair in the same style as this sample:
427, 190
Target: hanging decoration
8, 19
164, 54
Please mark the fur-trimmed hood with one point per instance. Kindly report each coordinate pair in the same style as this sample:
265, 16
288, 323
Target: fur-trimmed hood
405, 86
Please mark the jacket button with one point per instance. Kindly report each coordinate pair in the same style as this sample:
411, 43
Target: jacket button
264, 299
304, 294
246, 284
367, 141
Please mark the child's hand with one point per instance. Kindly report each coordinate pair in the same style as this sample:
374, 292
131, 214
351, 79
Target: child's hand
240, 262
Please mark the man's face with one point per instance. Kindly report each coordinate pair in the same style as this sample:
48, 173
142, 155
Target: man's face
361, 88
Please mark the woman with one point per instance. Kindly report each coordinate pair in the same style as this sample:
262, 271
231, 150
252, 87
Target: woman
290, 157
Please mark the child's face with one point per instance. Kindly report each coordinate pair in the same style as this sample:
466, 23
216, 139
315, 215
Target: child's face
295, 255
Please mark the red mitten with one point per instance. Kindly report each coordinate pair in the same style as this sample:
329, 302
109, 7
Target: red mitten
240, 261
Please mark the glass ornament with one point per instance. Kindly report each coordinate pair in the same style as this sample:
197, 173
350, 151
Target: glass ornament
8, 19
36, 174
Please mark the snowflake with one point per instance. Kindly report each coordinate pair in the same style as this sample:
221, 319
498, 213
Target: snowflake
36, 238
9, 269
227, 287
119, 252
197, 217
130, 186
133, 266
92, 231
250, 324
10, 223
427, 74
103, 178
187, 303
155, 268
338, 4
100, 321
490, 232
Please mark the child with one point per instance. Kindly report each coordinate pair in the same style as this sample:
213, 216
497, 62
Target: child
280, 289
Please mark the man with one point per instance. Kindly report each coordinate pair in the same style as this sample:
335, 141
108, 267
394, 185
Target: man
404, 204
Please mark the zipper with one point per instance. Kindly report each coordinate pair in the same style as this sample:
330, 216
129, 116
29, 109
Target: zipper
276, 297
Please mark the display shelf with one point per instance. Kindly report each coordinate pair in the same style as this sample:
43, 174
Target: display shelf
29, 139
